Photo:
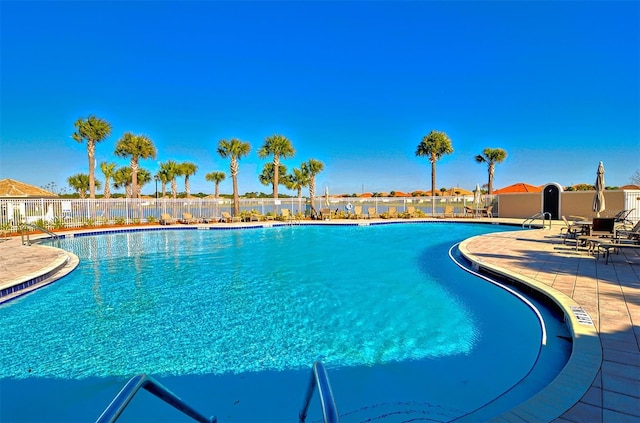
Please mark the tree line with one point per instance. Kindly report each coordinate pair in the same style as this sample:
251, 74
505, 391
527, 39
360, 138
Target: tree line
136, 147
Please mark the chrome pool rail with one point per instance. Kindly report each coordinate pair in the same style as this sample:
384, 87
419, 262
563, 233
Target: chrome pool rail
320, 379
126, 394
23, 226
544, 216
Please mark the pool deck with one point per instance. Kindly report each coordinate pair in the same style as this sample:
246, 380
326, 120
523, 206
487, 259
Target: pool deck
601, 382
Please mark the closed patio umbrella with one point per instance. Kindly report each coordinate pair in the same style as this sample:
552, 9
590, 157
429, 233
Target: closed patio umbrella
598, 198
477, 197
326, 196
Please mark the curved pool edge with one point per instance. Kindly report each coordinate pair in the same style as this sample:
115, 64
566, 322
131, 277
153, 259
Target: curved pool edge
55, 264
575, 379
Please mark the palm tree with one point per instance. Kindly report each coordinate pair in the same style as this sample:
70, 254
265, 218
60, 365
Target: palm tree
434, 146
80, 184
216, 177
108, 169
491, 156
93, 130
188, 169
137, 147
144, 177
276, 146
298, 180
311, 169
174, 170
268, 175
171, 170
163, 177
235, 150
122, 179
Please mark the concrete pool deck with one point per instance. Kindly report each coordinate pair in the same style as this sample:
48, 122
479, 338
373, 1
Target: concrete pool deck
608, 390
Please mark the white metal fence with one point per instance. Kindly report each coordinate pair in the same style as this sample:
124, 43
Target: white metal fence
55, 213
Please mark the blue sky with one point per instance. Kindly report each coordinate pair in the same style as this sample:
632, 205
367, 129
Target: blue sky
355, 85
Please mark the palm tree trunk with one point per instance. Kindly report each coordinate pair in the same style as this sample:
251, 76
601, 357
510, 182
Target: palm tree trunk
312, 194
234, 178
433, 175
276, 164
174, 188
91, 152
492, 168
276, 175
134, 178
217, 193
186, 185
107, 188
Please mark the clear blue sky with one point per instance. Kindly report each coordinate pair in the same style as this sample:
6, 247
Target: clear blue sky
355, 85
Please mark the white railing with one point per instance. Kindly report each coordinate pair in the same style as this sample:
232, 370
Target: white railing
632, 202
57, 213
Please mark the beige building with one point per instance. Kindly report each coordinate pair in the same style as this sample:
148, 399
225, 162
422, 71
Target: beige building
557, 202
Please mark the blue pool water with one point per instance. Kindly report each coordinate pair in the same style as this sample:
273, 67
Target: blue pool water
232, 321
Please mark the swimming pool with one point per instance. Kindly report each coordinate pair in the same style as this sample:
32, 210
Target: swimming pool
232, 321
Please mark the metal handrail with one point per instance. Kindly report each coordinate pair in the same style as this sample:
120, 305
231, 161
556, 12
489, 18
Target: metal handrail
320, 379
528, 221
126, 394
31, 225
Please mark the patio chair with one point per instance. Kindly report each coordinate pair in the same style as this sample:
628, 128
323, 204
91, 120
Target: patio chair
188, 219
633, 233
392, 212
325, 214
601, 228
448, 211
371, 213
621, 217
357, 212
570, 230
227, 218
166, 219
286, 215
411, 212
488, 212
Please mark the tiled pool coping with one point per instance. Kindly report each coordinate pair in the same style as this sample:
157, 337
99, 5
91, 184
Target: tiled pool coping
576, 377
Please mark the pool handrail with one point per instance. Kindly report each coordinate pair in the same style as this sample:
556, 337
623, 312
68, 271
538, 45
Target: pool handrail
126, 394
528, 222
320, 379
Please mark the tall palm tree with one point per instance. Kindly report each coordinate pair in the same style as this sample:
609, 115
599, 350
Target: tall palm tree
216, 178
311, 169
188, 169
137, 147
234, 149
491, 156
174, 170
122, 179
80, 184
298, 180
277, 146
268, 175
171, 170
108, 169
163, 177
434, 146
94, 130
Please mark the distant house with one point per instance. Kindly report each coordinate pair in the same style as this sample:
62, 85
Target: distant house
12, 189
519, 187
